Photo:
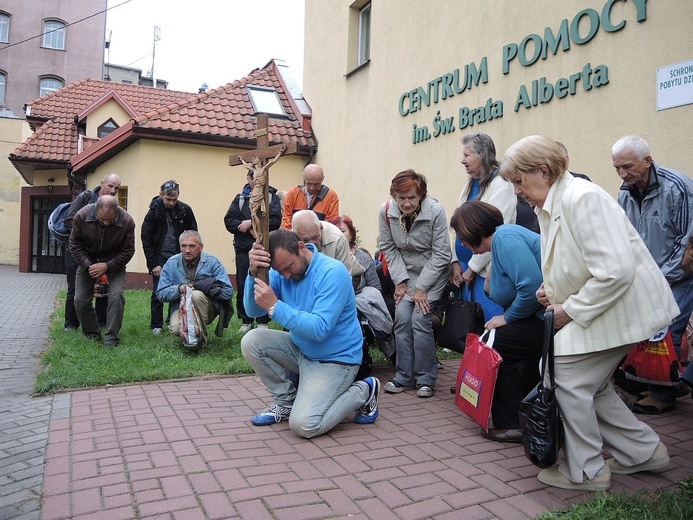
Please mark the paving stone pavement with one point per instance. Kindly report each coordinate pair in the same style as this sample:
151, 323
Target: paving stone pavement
26, 304
183, 450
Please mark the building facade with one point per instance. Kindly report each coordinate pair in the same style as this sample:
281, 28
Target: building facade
45, 45
147, 136
396, 84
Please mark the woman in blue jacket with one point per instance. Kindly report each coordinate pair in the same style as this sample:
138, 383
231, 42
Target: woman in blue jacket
513, 283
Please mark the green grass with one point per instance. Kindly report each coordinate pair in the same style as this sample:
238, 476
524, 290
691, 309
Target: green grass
72, 361
671, 504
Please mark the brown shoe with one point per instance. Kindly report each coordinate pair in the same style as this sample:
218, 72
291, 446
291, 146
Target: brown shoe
653, 406
503, 435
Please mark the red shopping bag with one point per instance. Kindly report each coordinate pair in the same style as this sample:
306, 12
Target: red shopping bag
476, 378
653, 361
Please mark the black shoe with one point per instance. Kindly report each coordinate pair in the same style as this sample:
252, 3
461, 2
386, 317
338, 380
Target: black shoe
95, 336
503, 435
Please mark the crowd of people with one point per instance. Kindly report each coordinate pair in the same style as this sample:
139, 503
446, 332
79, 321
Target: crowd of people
529, 235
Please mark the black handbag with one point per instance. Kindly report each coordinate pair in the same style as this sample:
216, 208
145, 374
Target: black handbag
459, 318
540, 416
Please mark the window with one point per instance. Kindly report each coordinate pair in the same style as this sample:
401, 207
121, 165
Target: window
49, 85
359, 41
266, 101
123, 197
4, 28
54, 34
364, 51
3, 82
106, 128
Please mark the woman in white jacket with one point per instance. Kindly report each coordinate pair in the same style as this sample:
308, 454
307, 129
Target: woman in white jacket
484, 184
607, 293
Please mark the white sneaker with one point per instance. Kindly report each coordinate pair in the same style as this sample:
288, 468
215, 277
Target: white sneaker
245, 328
262, 326
156, 331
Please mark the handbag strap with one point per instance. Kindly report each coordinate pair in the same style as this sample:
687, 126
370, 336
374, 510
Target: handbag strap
547, 353
491, 337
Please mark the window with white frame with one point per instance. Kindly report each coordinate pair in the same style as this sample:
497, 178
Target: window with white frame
3, 82
54, 34
364, 50
266, 101
49, 85
4, 28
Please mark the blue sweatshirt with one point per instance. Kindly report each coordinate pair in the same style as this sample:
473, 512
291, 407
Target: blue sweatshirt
319, 310
516, 271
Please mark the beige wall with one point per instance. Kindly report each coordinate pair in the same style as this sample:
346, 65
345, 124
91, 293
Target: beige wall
364, 141
207, 183
109, 110
12, 133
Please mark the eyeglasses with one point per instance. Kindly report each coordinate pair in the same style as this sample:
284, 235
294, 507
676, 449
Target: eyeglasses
171, 185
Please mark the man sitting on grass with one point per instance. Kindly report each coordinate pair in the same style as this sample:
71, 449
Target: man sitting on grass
204, 273
311, 295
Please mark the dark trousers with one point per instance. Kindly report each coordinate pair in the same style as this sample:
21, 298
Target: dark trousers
242, 266
520, 343
71, 318
84, 296
157, 308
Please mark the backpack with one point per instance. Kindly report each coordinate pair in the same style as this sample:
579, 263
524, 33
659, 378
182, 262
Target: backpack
56, 223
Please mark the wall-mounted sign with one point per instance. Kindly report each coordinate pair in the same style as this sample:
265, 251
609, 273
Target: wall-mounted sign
543, 45
675, 85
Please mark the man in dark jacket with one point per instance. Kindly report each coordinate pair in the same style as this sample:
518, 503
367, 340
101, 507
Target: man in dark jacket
238, 223
109, 186
102, 242
163, 224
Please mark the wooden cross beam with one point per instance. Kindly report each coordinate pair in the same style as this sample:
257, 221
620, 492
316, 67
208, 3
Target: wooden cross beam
259, 161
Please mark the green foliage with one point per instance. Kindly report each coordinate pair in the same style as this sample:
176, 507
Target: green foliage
673, 504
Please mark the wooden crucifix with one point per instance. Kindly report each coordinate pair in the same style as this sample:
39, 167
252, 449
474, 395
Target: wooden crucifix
259, 161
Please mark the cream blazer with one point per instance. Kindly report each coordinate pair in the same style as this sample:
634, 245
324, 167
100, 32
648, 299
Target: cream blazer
596, 265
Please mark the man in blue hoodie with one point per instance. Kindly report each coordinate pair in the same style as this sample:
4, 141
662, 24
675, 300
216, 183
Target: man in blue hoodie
309, 294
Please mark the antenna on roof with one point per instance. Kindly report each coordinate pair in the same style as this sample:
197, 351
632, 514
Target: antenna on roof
157, 37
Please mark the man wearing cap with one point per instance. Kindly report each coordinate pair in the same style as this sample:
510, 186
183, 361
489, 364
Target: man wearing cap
163, 224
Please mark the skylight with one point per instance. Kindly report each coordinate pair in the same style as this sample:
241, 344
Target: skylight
266, 100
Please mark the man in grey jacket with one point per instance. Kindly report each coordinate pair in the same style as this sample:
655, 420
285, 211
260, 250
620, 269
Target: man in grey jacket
659, 204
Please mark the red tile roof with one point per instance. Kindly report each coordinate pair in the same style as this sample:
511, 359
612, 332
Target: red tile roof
219, 117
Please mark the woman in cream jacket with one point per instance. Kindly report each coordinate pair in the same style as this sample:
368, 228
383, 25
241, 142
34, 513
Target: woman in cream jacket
607, 293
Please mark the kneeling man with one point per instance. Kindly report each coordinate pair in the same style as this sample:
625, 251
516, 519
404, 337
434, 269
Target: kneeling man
212, 289
311, 295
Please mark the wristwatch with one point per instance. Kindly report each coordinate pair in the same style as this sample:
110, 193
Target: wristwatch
270, 311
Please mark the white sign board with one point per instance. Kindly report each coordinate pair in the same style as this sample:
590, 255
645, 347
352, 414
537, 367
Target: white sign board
675, 85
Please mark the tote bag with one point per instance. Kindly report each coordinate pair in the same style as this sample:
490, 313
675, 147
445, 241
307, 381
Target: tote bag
459, 318
476, 378
192, 332
653, 361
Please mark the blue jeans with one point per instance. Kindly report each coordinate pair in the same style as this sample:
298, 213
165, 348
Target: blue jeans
417, 361
327, 393
683, 294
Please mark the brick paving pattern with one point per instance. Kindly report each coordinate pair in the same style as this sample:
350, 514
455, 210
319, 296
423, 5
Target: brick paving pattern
26, 303
186, 450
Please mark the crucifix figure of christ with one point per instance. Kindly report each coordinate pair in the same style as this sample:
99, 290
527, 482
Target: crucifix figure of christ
259, 162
